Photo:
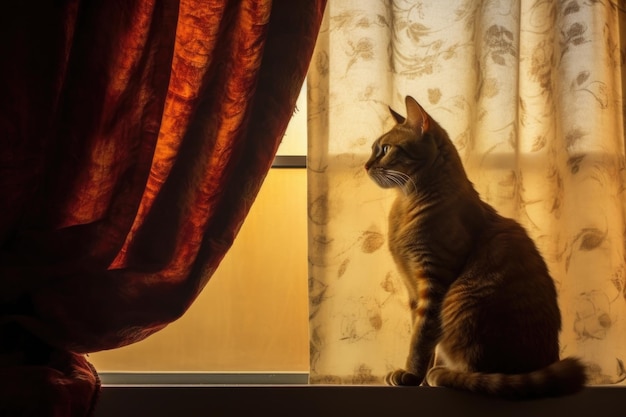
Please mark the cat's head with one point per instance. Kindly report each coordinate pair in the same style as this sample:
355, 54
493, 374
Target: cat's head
404, 154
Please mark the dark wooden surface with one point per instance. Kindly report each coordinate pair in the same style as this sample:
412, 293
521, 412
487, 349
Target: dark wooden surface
344, 401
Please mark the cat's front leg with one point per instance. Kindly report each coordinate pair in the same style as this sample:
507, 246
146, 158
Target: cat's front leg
424, 338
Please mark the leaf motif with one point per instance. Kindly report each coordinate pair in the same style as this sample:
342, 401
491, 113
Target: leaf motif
494, 31
590, 239
604, 320
434, 95
572, 7
363, 22
417, 30
574, 136
621, 371
418, 27
365, 48
448, 54
317, 291
372, 241
318, 210
388, 285
539, 143
490, 88
582, 77
576, 30
461, 141
574, 163
599, 91
322, 62
498, 59
363, 374
617, 279
554, 176
342, 20
510, 180
376, 321
513, 139
343, 267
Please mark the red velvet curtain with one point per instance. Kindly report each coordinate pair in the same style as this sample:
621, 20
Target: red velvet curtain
134, 136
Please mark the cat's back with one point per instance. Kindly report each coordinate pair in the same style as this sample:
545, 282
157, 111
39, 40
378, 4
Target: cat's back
503, 306
505, 257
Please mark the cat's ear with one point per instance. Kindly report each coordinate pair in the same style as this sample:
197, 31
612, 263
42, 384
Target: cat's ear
397, 117
416, 118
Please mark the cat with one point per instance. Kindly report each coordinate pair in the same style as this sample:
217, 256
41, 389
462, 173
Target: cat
480, 293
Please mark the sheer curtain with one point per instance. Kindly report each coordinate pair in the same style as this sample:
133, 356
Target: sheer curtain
531, 92
134, 136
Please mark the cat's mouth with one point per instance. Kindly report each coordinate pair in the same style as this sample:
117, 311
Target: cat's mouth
389, 178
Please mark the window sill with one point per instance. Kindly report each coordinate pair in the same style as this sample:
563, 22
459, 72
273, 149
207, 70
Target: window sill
329, 401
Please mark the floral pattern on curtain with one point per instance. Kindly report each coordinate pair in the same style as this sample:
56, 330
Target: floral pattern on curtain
135, 136
531, 93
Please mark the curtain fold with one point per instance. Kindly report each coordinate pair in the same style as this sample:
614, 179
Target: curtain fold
135, 136
531, 93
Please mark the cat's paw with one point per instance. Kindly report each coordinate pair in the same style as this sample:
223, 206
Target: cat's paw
401, 377
432, 377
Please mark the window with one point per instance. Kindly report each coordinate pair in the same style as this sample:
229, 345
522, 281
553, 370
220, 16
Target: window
250, 324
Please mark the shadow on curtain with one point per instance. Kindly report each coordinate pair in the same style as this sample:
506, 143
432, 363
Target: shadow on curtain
135, 136
531, 93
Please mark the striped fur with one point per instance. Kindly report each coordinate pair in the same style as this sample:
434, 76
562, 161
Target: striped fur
479, 291
560, 378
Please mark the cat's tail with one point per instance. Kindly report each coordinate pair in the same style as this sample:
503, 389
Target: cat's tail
564, 377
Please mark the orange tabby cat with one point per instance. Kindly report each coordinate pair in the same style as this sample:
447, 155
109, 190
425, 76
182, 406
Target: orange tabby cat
479, 290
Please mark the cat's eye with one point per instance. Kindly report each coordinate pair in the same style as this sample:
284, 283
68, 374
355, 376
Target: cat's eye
382, 150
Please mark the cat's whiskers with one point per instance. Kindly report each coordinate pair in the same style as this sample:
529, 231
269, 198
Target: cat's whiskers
401, 179
382, 179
